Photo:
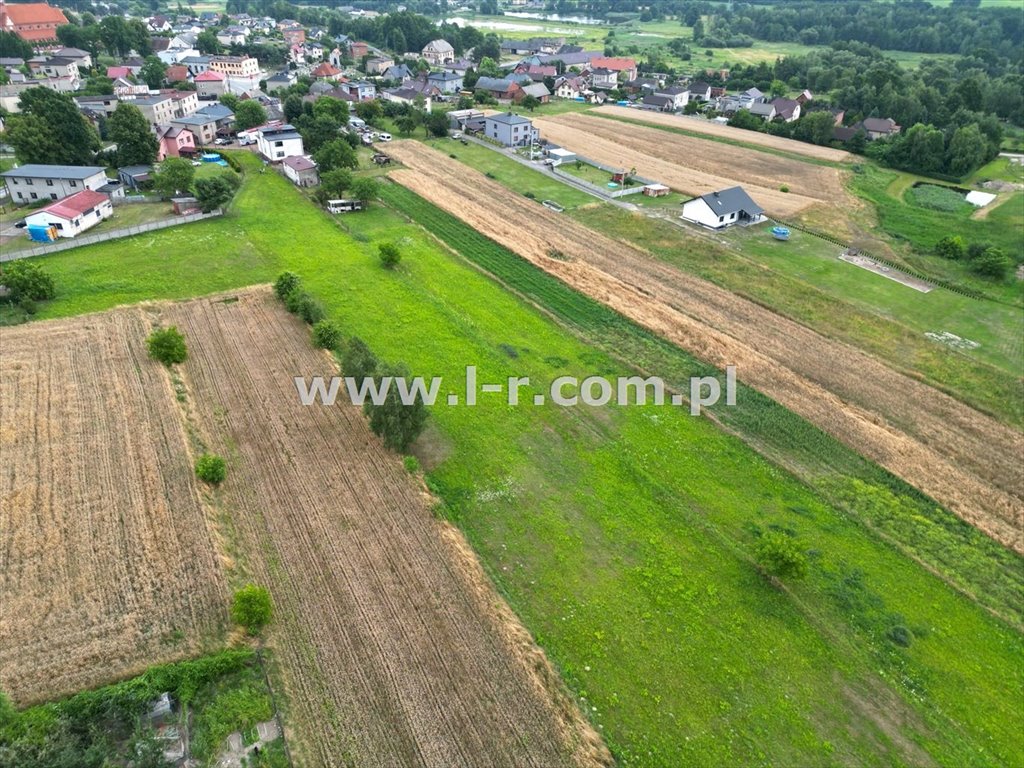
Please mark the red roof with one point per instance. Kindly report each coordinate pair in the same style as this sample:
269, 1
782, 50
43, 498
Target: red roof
326, 70
20, 15
209, 76
612, 62
76, 204
115, 72
176, 73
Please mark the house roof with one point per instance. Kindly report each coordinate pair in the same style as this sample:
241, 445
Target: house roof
444, 77
216, 111
762, 109
880, 125
197, 119
438, 46
136, 170
28, 15
149, 101
785, 107
115, 72
39, 171
538, 90
657, 100
326, 70
508, 118
299, 163
209, 76
72, 53
674, 90
75, 205
699, 87
732, 200
616, 63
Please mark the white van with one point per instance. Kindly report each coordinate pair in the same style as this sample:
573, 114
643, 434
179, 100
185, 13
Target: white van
344, 206
385, 137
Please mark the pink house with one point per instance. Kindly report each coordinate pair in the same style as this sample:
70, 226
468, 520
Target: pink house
175, 141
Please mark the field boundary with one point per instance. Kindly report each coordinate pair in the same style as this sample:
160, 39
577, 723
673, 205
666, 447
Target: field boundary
138, 229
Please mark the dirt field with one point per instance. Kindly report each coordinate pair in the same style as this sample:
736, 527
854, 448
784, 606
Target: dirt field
391, 643
107, 561
699, 125
961, 458
697, 166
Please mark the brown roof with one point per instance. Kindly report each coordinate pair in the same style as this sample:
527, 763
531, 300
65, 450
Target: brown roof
21, 17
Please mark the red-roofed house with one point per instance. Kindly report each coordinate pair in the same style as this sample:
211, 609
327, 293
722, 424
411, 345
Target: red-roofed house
34, 22
616, 64
115, 72
326, 71
176, 73
210, 83
75, 214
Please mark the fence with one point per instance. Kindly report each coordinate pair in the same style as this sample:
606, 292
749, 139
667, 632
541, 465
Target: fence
116, 201
600, 191
78, 242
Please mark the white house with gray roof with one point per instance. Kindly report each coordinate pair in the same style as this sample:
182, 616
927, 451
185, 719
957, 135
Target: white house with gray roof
33, 181
716, 210
510, 129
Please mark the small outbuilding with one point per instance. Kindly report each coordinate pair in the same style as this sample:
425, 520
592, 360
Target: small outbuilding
73, 215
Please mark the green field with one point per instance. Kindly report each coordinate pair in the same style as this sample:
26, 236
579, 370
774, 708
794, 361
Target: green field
622, 535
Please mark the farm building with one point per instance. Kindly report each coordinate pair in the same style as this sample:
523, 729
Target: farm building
40, 182
510, 130
438, 53
301, 171
722, 209
558, 155
73, 215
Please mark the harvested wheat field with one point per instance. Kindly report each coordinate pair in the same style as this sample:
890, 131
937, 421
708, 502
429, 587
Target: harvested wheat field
107, 562
699, 125
697, 166
960, 457
391, 644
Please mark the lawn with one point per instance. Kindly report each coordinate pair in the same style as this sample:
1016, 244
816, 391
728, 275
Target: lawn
1000, 169
622, 536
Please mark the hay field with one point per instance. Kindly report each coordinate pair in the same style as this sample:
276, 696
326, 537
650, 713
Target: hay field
962, 458
699, 125
107, 561
392, 645
697, 166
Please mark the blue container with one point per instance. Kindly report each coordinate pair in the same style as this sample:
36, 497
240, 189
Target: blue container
780, 233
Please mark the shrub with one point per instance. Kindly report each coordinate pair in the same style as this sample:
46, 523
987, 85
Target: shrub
252, 608
310, 309
167, 345
389, 255
293, 300
211, 469
530, 195
286, 283
951, 247
357, 361
26, 280
28, 306
490, 175
411, 464
326, 335
900, 635
779, 556
992, 263
784, 188
394, 421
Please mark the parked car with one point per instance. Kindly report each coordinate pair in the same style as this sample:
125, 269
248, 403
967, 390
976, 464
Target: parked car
385, 137
367, 138
222, 142
457, 135
21, 224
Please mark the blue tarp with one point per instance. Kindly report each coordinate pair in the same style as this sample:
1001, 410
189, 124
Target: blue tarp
41, 234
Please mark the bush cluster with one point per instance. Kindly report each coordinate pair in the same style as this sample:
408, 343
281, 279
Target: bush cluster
288, 288
982, 258
167, 345
211, 469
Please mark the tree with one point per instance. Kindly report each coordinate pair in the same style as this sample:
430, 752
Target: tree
992, 263
357, 361
951, 247
489, 48
394, 421
286, 283
390, 255
815, 127
167, 345
334, 183
175, 176
364, 188
331, 109
370, 111
211, 469
292, 107
249, 114
207, 42
27, 280
437, 123
335, 154
128, 128
153, 71
406, 124
14, 47
50, 129
252, 608
780, 557
316, 132
212, 193
967, 150
530, 102
231, 101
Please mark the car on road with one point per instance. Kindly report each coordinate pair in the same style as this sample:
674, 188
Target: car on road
21, 224
222, 142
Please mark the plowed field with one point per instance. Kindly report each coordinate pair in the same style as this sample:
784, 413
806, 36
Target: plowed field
391, 643
697, 166
107, 562
962, 458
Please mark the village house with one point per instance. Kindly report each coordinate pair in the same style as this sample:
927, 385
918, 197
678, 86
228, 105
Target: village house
176, 73
446, 82
878, 127
157, 109
438, 53
606, 79
620, 66
657, 103
35, 181
356, 50
295, 36
700, 91
233, 36
717, 210
175, 141
502, 88
677, 94
326, 71
74, 214
406, 95
510, 130
276, 143
203, 127
539, 91
301, 171
210, 84
570, 87
399, 72
196, 65
377, 65
82, 58
787, 110
763, 109
185, 102
236, 66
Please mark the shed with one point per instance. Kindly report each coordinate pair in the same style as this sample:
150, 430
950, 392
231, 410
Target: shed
656, 190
